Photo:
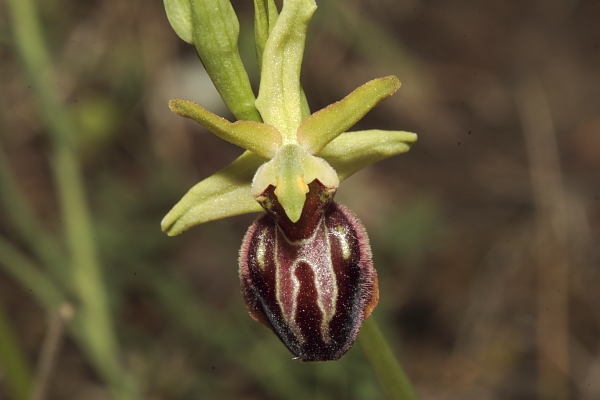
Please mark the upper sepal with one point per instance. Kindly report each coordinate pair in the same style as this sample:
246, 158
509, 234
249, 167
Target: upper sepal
280, 99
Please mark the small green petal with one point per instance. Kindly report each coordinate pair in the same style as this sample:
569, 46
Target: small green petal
257, 137
352, 151
290, 172
224, 194
327, 124
280, 100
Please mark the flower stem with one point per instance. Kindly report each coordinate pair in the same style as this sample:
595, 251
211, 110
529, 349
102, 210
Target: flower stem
389, 372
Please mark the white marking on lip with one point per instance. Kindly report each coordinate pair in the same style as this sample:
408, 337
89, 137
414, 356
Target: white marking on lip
341, 235
261, 250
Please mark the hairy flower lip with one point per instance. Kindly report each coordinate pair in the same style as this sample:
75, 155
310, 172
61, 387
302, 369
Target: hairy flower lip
314, 292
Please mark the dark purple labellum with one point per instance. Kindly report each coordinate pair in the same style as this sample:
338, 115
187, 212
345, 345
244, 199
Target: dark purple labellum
312, 282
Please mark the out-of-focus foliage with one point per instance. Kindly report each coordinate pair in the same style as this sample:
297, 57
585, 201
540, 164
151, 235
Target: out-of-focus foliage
466, 228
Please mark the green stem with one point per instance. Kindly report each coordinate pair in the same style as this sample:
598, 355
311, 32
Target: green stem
17, 372
391, 375
45, 247
97, 334
23, 270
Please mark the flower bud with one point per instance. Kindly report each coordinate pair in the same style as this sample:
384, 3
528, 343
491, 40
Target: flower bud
312, 282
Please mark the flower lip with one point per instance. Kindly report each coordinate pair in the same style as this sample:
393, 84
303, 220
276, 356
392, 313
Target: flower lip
313, 292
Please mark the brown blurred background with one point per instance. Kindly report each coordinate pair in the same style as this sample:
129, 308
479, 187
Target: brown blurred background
485, 235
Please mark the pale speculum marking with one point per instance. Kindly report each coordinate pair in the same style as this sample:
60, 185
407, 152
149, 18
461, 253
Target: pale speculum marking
341, 235
315, 252
261, 249
286, 287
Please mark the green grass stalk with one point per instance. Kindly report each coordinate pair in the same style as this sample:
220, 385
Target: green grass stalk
45, 247
16, 370
25, 271
387, 368
94, 324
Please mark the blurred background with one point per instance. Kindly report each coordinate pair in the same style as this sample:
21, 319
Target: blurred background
485, 235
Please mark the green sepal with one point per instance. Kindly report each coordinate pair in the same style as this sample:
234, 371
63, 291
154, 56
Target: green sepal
257, 137
265, 15
224, 194
352, 151
280, 99
290, 172
179, 14
328, 123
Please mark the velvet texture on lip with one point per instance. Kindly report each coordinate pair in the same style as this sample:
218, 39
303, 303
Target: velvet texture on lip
312, 282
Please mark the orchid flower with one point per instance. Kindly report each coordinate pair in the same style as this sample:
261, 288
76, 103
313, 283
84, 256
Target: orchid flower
293, 164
